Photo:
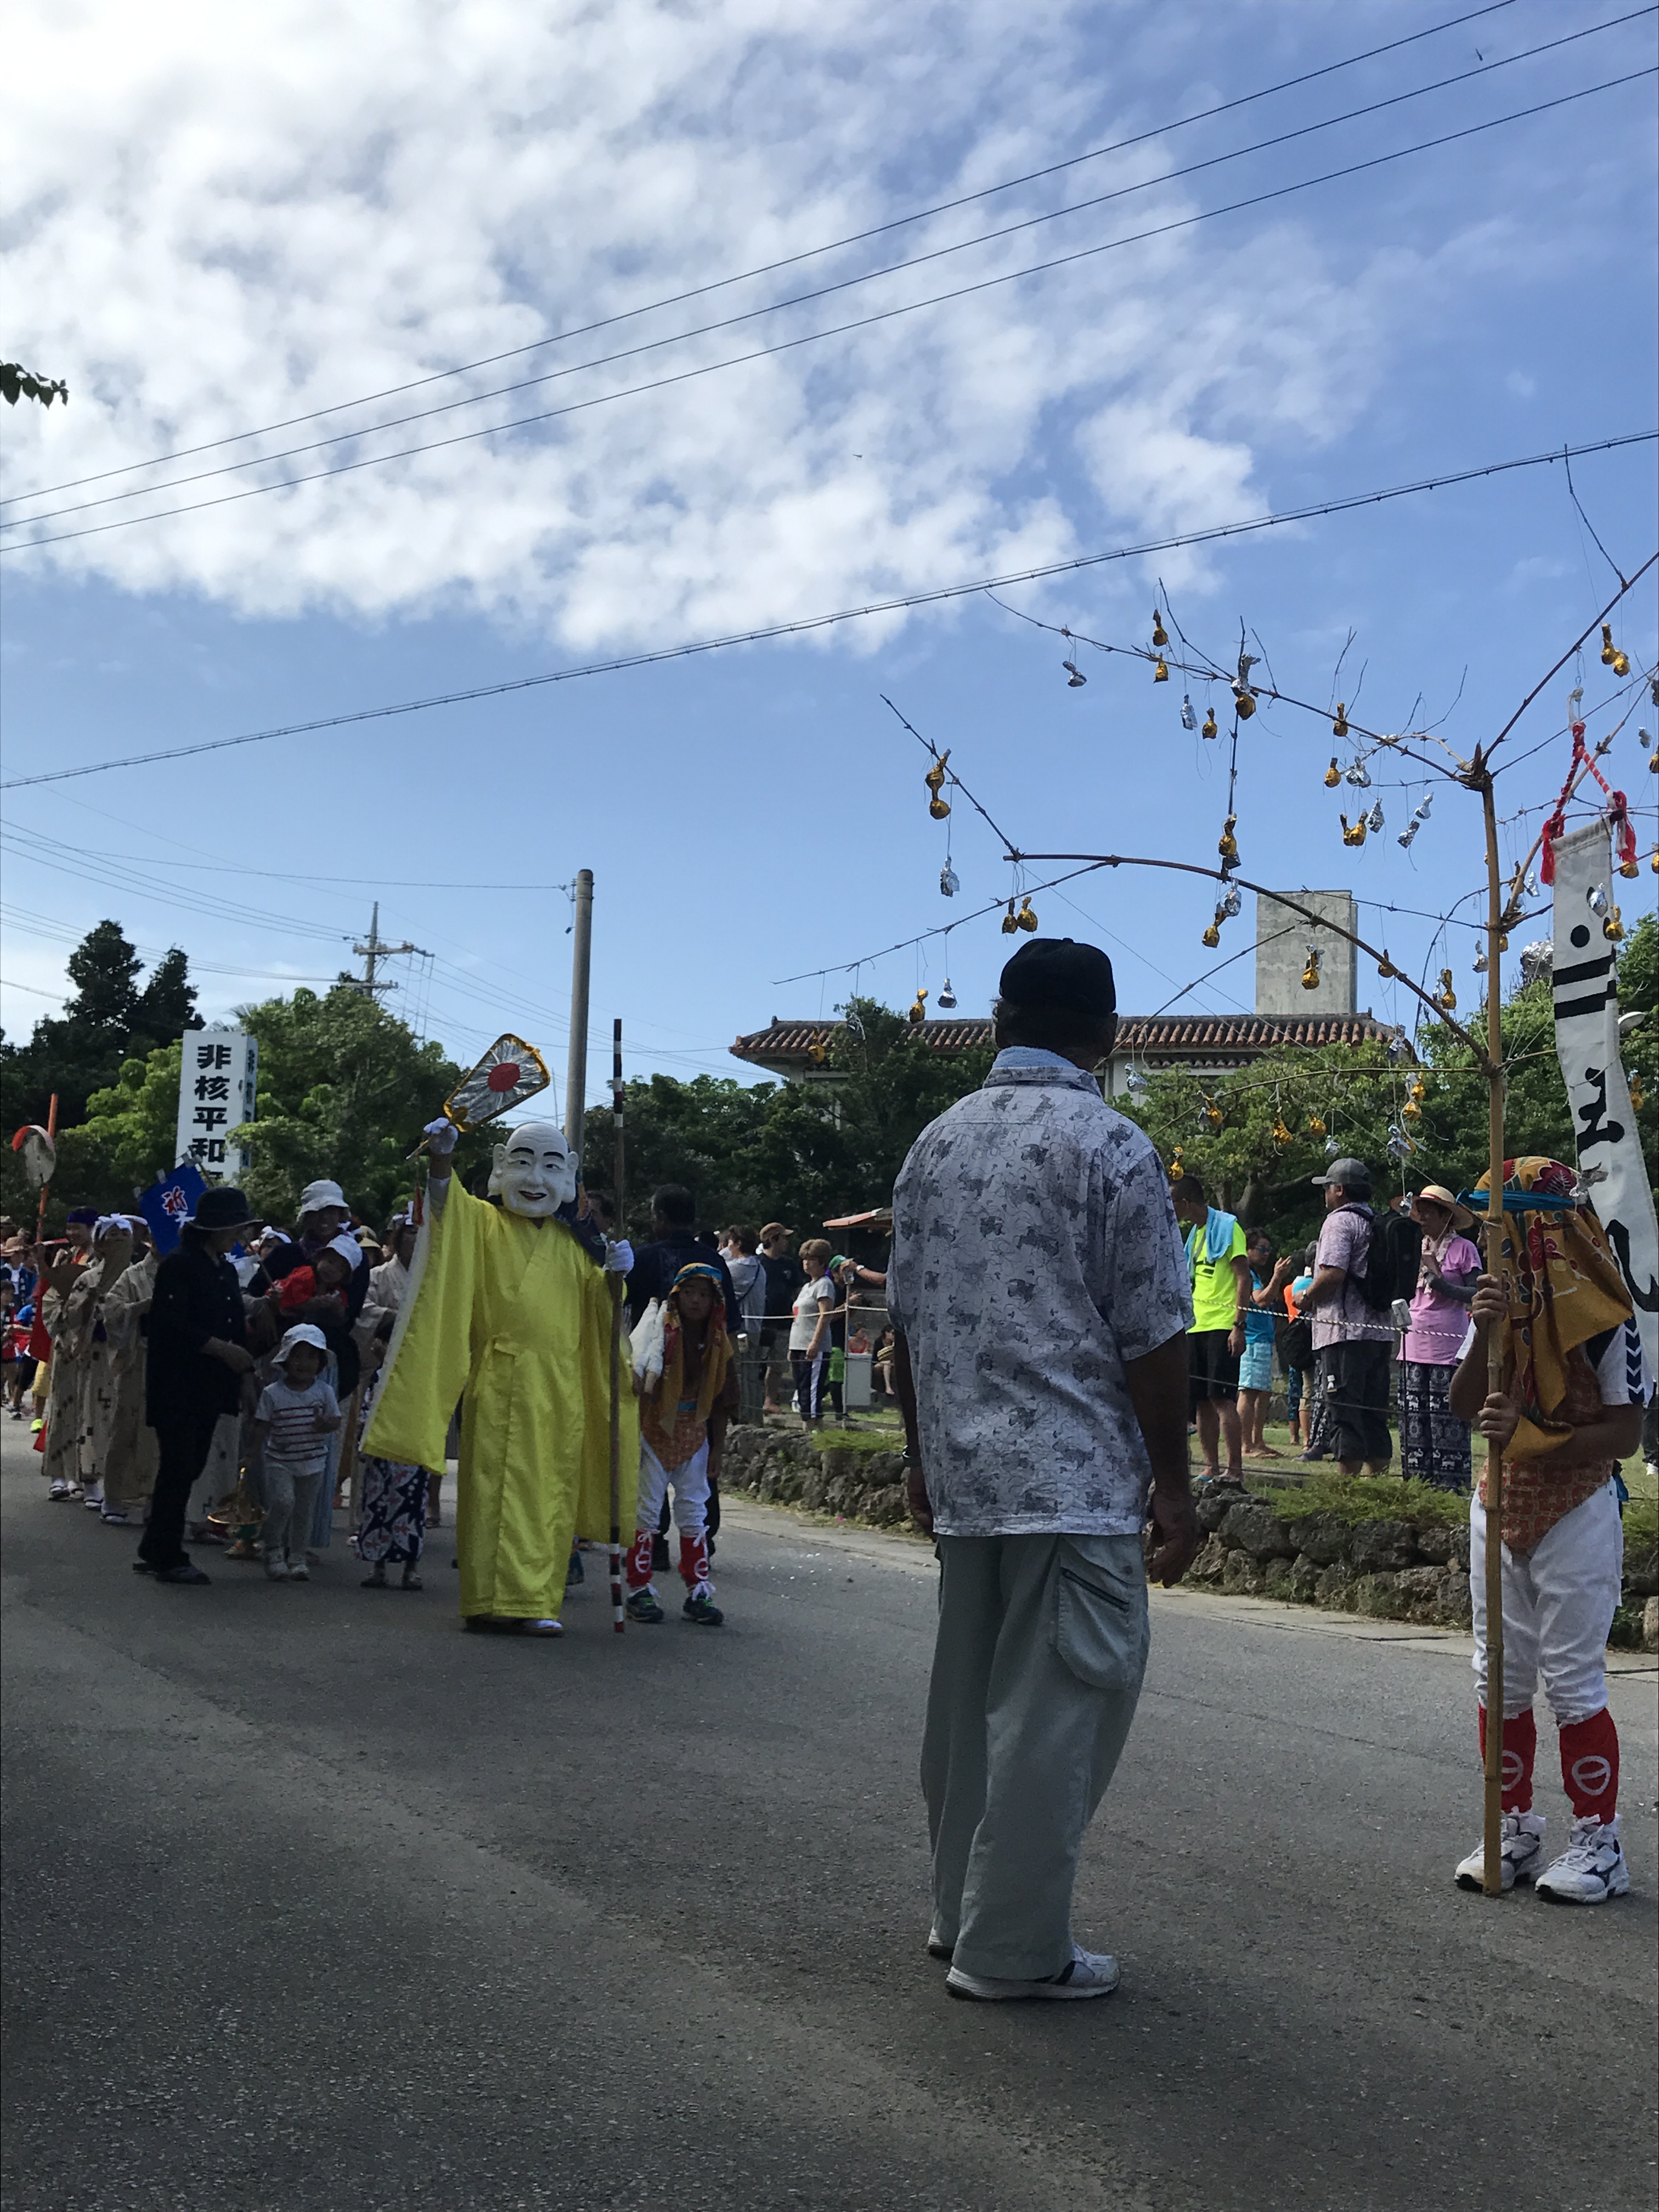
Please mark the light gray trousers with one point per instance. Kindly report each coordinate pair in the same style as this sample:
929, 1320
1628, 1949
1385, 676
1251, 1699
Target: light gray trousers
1037, 1672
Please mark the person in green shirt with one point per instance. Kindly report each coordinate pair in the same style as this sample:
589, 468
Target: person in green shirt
1220, 1276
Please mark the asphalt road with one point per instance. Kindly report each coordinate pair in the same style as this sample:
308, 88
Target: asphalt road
313, 1902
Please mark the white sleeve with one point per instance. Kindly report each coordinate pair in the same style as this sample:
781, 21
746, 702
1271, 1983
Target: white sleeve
1622, 1371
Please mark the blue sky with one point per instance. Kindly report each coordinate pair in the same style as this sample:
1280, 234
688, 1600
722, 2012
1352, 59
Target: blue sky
238, 217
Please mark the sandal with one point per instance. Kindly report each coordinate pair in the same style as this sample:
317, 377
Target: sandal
376, 1580
411, 1580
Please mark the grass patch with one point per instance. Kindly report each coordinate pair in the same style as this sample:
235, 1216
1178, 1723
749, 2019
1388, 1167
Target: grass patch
1357, 1497
1642, 1525
862, 1440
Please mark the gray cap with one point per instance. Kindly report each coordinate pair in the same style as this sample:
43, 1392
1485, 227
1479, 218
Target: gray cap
1351, 1174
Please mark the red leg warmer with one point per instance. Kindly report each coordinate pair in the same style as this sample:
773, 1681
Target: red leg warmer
1590, 1766
1520, 1750
639, 1559
694, 1559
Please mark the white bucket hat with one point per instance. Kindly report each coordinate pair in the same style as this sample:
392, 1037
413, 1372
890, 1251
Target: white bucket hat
349, 1250
303, 1332
316, 1195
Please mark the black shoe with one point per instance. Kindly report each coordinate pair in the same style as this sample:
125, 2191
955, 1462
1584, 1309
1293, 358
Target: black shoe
575, 1572
702, 1612
660, 1559
642, 1606
142, 1567
190, 1572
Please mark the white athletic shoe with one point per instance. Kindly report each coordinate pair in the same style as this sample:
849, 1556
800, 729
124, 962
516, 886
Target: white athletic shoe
1090, 1974
299, 1572
1591, 1868
1524, 1846
276, 1571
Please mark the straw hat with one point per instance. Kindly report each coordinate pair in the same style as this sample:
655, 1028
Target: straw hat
1437, 1194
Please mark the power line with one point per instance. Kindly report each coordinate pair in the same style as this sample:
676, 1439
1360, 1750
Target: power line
788, 261
816, 337
807, 625
803, 299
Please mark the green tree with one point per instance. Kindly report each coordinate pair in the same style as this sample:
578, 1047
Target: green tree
108, 1020
127, 1138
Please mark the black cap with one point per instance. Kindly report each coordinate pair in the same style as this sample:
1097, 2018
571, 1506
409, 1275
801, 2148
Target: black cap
1055, 973
220, 1208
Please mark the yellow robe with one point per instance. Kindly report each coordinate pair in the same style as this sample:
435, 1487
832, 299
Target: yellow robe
517, 1315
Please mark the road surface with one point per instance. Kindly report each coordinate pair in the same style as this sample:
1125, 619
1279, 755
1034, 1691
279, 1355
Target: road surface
313, 1902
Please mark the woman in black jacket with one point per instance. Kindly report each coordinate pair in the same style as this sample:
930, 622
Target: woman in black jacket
197, 1367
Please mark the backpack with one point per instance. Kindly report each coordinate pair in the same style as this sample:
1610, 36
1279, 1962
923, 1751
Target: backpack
1294, 1342
1395, 1255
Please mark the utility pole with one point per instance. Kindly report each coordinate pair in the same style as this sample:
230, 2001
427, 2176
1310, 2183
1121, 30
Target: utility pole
575, 1079
374, 951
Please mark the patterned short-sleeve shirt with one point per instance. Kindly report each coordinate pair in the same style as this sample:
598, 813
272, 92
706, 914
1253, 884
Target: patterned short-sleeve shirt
1035, 1252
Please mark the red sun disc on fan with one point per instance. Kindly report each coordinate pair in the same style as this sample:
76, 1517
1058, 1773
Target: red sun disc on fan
503, 1076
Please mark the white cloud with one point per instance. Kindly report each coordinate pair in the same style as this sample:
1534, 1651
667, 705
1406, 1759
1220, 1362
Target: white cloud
238, 213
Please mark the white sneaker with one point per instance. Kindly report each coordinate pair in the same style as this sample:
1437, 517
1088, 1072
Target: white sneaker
1524, 1846
1591, 1868
301, 1573
276, 1571
1090, 1974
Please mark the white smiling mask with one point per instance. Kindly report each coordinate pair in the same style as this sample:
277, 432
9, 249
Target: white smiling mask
535, 1170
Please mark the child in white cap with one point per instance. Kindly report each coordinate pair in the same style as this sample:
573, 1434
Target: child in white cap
296, 1415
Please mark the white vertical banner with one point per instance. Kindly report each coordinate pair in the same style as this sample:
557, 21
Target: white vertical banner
1586, 1043
218, 1082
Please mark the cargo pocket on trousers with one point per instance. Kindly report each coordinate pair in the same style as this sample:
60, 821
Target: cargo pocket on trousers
1101, 1624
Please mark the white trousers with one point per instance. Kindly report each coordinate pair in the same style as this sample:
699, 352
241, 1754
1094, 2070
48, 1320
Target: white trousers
1559, 1603
691, 1489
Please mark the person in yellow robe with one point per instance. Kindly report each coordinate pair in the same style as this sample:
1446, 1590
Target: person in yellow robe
512, 1307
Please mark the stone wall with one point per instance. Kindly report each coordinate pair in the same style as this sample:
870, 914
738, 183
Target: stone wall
1387, 1570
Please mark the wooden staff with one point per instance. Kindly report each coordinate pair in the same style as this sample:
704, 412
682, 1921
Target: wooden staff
618, 1611
1491, 1873
40, 1211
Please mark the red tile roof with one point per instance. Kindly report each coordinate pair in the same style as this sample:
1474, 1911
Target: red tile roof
1184, 1035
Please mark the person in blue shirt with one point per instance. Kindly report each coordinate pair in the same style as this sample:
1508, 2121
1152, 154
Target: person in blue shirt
1255, 1366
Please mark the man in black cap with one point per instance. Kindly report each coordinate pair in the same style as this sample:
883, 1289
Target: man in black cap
1038, 1288
1353, 1340
197, 1366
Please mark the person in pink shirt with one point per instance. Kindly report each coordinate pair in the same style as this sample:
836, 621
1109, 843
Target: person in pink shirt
1434, 1444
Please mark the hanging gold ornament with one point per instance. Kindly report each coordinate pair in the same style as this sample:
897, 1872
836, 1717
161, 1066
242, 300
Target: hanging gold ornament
1356, 834
1026, 918
1339, 725
934, 779
1654, 862
1213, 1114
1446, 997
1211, 937
1613, 927
1311, 973
1419, 1089
1333, 775
1316, 1126
1245, 703
1282, 1134
1160, 635
1612, 656
919, 1010
1161, 674
1209, 729
1009, 925
1411, 1111
1630, 867
817, 1051
1385, 966
1228, 844
1177, 1166
1638, 1097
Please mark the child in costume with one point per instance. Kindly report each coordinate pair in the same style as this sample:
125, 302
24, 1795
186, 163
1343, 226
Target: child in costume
687, 1394
1575, 1383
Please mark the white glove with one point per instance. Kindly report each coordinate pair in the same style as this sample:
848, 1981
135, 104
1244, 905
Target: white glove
441, 1136
619, 1258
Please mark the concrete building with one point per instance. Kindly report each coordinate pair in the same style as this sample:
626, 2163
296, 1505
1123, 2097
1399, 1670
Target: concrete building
1285, 1013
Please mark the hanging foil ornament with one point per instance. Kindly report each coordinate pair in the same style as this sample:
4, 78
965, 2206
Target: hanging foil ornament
818, 1051
1244, 704
1409, 833
1332, 1148
1654, 862
1612, 656
1311, 973
1211, 937
1315, 1125
1446, 997
919, 1010
1333, 775
1638, 1097
1177, 1166
1246, 662
1026, 918
934, 779
1421, 810
1596, 899
1231, 902
947, 997
1529, 889
1209, 729
1282, 1134
1213, 1114
1644, 738
1075, 677
1613, 927
950, 881
1411, 1111
1188, 718
855, 1028
1134, 1082
1160, 635
1360, 776
1385, 966
1481, 962
1374, 819
1009, 925
1354, 835
1227, 846
1339, 725
1396, 1050
1161, 670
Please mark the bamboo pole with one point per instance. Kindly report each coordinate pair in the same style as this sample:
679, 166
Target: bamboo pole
618, 1611
1491, 1873
40, 1211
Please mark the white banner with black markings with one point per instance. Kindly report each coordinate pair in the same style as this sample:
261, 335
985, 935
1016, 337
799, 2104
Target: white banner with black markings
1586, 1043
